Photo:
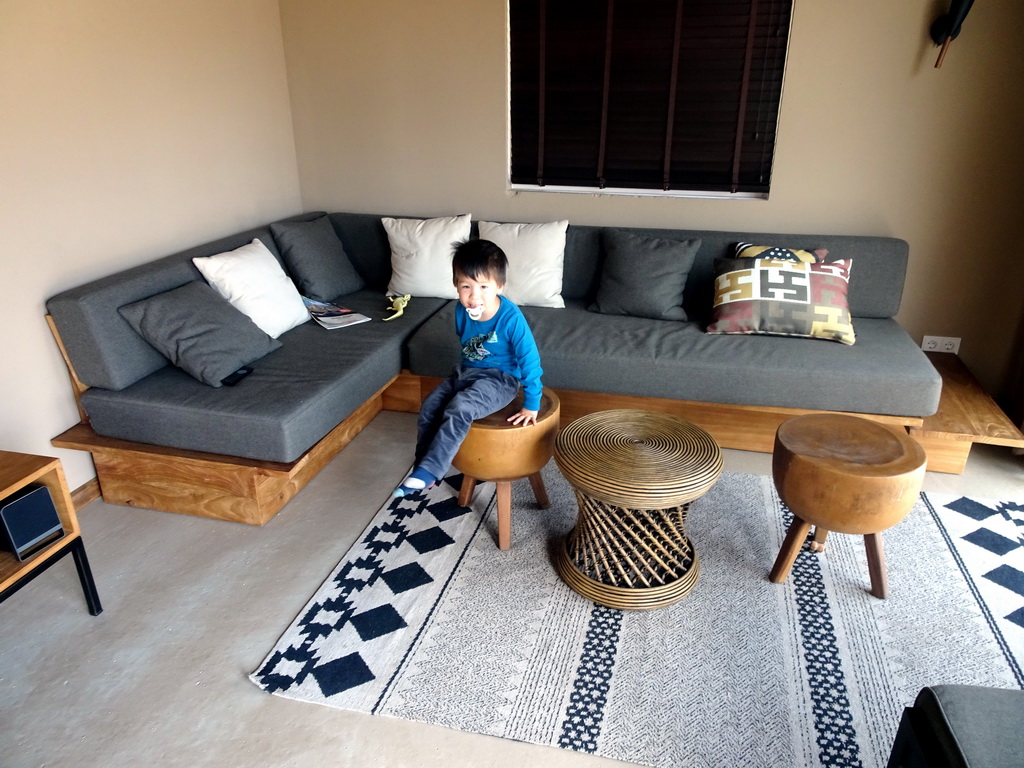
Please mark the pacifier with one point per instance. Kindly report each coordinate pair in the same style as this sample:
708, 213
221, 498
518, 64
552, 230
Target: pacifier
475, 313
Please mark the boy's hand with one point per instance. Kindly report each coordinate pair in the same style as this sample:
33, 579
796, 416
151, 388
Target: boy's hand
524, 417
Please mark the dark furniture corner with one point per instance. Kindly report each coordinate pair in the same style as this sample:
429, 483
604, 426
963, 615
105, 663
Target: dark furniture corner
18, 471
961, 726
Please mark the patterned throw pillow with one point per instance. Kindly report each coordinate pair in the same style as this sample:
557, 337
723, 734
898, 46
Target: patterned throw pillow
750, 251
783, 297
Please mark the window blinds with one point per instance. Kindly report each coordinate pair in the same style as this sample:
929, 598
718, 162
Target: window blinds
646, 94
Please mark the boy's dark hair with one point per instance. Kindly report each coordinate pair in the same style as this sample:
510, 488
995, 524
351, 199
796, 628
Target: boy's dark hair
479, 258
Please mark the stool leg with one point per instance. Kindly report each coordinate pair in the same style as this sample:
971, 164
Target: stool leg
539, 491
818, 541
876, 565
795, 537
466, 491
504, 493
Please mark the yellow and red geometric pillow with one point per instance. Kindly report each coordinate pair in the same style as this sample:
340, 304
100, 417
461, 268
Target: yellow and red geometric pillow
784, 298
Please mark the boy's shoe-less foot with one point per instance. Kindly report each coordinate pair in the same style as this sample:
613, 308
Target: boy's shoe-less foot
418, 481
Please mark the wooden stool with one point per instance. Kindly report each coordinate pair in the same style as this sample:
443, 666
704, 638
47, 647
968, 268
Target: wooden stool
495, 450
844, 474
634, 473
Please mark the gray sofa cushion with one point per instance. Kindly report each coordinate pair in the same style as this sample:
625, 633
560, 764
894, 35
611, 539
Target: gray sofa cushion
105, 349
884, 373
294, 397
107, 353
316, 258
199, 331
366, 243
974, 725
876, 287
644, 276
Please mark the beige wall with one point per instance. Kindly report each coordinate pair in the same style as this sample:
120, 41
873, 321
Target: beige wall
129, 128
400, 107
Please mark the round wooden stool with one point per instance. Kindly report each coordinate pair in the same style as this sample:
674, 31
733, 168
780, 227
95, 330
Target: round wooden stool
844, 474
495, 450
635, 474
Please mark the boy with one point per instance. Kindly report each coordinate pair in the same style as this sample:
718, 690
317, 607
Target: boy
498, 354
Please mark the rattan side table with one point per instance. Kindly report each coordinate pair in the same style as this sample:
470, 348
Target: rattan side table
635, 474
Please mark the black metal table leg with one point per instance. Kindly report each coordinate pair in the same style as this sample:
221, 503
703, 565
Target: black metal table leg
76, 548
92, 597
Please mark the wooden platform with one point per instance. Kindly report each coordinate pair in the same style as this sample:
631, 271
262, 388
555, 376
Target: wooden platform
967, 415
249, 491
207, 484
744, 427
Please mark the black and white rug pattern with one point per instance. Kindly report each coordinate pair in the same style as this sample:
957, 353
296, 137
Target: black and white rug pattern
425, 619
986, 541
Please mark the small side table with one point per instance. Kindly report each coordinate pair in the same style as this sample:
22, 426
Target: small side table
845, 474
18, 470
635, 474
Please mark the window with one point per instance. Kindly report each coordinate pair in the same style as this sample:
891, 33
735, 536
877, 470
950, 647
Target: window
670, 95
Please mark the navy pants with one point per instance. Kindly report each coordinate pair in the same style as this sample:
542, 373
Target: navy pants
447, 413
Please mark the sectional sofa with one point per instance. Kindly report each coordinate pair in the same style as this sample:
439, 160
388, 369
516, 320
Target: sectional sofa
161, 438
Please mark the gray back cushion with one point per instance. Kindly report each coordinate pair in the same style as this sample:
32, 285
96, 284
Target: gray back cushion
876, 279
199, 331
366, 243
107, 352
644, 276
104, 349
316, 258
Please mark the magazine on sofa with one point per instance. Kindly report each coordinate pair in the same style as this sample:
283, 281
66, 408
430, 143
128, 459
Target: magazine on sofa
331, 315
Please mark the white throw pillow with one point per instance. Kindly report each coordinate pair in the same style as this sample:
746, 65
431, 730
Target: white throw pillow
421, 254
535, 254
254, 282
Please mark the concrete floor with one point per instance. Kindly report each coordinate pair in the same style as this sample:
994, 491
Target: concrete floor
191, 607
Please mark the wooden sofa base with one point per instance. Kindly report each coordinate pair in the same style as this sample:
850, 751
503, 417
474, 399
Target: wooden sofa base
207, 484
966, 415
743, 427
247, 491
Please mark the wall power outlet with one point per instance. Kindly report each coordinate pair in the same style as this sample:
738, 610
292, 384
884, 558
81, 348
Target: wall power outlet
941, 344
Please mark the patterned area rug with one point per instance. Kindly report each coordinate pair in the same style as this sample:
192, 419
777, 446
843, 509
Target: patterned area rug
425, 619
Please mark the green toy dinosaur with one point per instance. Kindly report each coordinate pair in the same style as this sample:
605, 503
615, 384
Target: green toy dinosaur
398, 304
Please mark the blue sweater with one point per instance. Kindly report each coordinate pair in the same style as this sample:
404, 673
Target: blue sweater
504, 342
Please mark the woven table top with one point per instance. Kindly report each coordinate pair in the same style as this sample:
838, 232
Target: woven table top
638, 459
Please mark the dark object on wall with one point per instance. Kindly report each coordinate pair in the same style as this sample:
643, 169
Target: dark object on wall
946, 28
29, 522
